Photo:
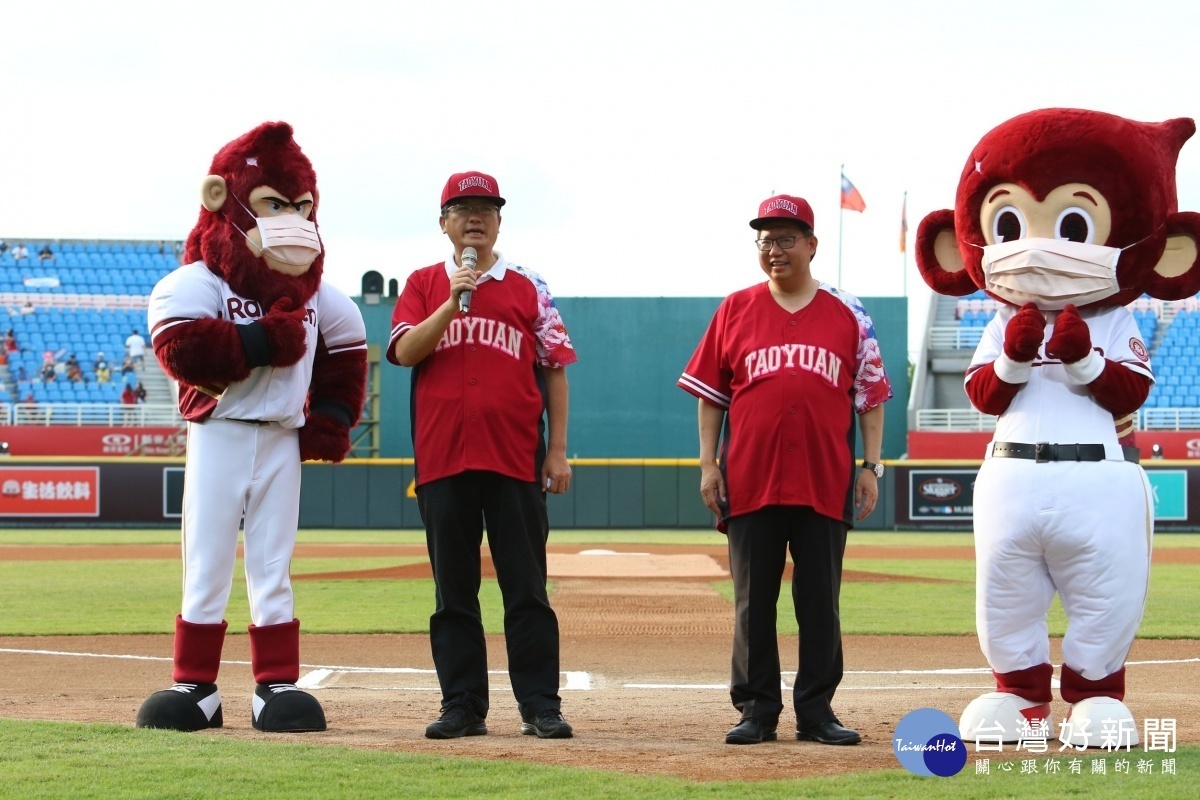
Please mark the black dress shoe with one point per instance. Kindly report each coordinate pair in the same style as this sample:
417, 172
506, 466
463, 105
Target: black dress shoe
828, 733
548, 724
455, 722
751, 731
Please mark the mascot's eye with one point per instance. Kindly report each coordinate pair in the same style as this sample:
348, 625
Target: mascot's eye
1008, 224
1075, 225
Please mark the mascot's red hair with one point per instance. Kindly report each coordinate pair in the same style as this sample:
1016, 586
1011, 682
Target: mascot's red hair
271, 366
1064, 216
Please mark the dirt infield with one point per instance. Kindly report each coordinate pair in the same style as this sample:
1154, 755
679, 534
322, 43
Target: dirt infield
645, 660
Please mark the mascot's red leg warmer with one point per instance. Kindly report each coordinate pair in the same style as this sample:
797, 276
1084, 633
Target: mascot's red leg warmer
277, 704
275, 652
1075, 687
197, 651
1032, 683
193, 703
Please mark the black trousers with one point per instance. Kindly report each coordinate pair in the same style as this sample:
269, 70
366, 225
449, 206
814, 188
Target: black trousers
758, 545
454, 511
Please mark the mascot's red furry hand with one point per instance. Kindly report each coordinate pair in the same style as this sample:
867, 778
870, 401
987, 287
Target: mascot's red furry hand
284, 328
1024, 333
324, 439
1071, 341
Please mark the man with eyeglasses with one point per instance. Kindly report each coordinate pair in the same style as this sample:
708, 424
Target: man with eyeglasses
482, 380
783, 368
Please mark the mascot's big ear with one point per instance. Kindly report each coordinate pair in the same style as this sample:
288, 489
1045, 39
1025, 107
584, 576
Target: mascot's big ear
1177, 273
938, 257
213, 192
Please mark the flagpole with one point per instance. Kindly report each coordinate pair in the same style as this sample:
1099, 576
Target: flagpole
841, 210
904, 249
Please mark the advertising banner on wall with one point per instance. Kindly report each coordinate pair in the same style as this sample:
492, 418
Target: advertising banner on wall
49, 491
944, 495
86, 441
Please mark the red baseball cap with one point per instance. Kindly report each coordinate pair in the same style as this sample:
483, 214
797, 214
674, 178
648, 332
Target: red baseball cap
783, 207
471, 184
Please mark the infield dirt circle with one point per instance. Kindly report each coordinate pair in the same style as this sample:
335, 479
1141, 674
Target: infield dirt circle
645, 659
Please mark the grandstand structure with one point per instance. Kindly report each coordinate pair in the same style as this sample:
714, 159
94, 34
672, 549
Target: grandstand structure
82, 298
939, 405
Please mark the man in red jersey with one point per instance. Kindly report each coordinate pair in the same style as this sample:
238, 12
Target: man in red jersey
783, 368
487, 347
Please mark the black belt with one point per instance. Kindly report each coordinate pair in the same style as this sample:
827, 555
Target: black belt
259, 422
1045, 451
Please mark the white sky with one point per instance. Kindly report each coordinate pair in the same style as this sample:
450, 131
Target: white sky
633, 140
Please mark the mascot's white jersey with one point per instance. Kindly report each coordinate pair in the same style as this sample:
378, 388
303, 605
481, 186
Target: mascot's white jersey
1049, 408
269, 394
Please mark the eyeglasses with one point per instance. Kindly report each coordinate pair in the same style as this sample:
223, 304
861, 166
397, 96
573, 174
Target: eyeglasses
473, 209
784, 242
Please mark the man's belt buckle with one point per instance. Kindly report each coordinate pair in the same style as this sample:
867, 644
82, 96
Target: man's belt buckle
1043, 452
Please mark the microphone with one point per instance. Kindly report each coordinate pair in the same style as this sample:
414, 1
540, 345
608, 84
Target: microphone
469, 258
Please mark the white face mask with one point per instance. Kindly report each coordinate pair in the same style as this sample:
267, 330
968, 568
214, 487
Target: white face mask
287, 238
1050, 272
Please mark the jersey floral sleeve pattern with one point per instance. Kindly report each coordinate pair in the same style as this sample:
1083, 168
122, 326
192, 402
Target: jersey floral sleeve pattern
554, 347
871, 384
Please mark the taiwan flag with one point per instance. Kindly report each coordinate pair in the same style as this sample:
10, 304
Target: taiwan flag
851, 199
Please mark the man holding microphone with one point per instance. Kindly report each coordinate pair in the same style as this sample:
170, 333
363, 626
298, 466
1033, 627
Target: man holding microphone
487, 347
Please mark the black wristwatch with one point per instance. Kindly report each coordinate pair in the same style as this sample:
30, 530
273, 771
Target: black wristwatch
876, 468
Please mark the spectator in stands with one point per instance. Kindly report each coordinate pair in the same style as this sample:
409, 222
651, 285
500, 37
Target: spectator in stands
74, 372
10, 341
140, 392
22, 375
135, 345
28, 307
19, 252
127, 365
45, 254
49, 367
103, 373
129, 395
3, 247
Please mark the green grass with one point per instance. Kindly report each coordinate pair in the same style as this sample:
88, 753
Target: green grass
42, 598
949, 608
141, 596
55, 760
59, 760
59, 536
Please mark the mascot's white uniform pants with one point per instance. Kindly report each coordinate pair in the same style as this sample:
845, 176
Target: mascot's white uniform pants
237, 469
1081, 528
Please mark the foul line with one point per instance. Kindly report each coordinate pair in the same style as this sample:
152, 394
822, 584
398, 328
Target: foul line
575, 680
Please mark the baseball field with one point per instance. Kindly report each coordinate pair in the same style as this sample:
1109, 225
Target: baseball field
646, 623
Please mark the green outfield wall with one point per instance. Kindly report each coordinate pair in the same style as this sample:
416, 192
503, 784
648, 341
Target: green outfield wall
624, 401
45, 491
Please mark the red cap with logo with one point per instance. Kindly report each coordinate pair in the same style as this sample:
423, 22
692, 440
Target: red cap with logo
471, 184
781, 208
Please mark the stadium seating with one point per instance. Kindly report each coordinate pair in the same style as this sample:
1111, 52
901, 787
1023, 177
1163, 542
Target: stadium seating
84, 301
1171, 331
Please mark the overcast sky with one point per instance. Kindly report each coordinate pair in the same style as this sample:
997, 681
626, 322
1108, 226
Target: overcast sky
633, 140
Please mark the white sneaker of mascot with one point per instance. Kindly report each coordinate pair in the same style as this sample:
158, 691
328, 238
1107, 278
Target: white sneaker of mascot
1100, 722
1005, 717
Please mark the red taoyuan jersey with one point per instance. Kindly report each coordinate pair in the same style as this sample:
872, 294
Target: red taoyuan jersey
791, 384
476, 401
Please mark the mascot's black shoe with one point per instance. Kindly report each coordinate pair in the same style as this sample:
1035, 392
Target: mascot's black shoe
282, 708
183, 707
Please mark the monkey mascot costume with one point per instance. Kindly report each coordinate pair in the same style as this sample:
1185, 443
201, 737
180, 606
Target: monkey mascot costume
1064, 216
271, 366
